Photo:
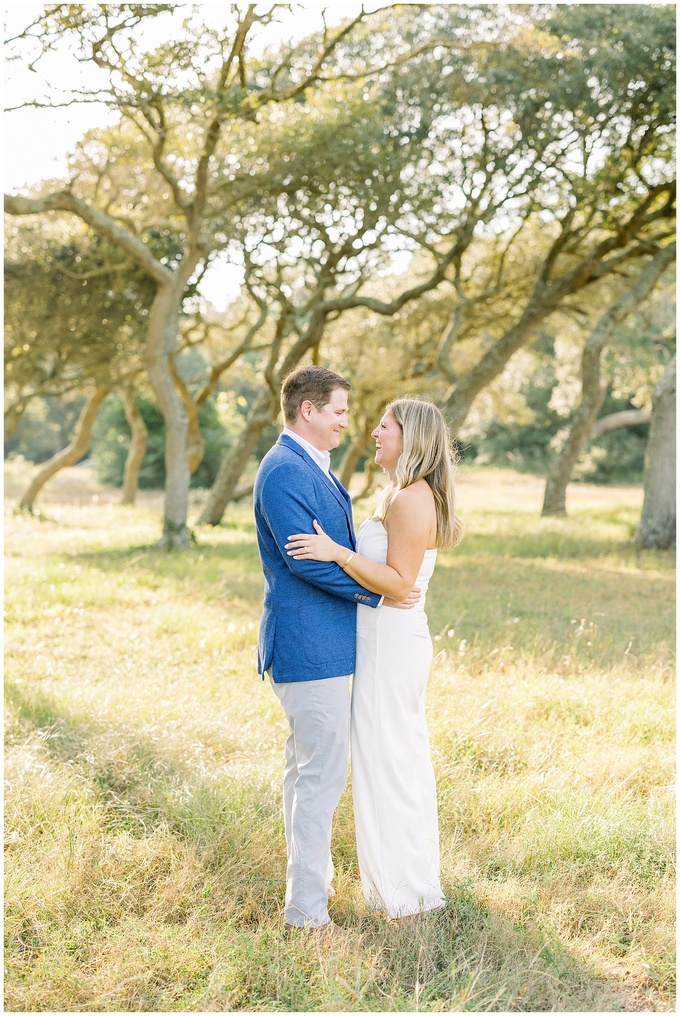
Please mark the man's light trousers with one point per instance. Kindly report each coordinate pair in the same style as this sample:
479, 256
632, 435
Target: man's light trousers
315, 774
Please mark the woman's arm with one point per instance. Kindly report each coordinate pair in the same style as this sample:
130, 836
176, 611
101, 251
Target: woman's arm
287, 497
409, 525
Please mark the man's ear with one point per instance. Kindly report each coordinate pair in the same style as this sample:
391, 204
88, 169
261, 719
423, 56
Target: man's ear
306, 408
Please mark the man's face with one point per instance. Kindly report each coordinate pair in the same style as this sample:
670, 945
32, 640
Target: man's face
327, 424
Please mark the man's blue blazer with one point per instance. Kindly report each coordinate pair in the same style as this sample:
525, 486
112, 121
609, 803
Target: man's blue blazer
308, 625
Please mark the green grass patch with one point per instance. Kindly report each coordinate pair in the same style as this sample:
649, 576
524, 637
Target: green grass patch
145, 858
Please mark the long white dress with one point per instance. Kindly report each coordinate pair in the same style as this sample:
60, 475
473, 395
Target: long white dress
393, 785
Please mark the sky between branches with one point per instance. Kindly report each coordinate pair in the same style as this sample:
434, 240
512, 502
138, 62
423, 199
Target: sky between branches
37, 142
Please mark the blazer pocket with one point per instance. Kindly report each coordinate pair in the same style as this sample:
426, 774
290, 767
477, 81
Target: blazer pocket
326, 635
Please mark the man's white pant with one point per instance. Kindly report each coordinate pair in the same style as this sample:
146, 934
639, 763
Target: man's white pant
314, 777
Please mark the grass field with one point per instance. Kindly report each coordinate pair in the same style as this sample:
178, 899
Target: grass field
144, 845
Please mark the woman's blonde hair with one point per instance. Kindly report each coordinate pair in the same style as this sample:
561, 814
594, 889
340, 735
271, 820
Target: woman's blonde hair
428, 454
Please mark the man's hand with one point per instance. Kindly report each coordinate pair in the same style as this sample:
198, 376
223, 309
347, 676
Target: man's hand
407, 603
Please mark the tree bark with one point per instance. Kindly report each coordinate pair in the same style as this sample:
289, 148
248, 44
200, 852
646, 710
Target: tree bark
593, 388
592, 396
162, 333
369, 481
244, 490
195, 442
72, 453
13, 414
161, 340
104, 224
264, 412
657, 524
614, 421
460, 398
231, 469
547, 295
353, 454
137, 450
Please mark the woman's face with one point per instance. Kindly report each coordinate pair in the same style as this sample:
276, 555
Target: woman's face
389, 443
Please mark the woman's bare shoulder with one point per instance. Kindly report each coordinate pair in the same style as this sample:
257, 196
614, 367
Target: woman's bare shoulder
417, 493
415, 500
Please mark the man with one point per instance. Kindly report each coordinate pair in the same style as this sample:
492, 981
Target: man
308, 629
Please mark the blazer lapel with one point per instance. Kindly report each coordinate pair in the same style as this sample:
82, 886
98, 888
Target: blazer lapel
334, 486
348, 505
339, 487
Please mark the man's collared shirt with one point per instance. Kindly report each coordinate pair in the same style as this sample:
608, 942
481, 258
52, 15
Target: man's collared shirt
322, 459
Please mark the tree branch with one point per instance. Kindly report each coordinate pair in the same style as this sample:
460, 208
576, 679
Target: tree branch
64, 201
93, 273
219, 368
613, 421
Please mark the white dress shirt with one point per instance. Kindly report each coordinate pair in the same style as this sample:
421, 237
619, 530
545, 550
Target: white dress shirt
322, 459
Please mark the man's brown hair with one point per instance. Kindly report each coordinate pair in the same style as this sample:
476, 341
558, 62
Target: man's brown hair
312, 383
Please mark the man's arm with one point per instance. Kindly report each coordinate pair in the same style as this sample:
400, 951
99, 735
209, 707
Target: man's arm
289, 502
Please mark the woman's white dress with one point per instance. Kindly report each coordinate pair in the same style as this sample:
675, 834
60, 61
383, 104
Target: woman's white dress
393, 785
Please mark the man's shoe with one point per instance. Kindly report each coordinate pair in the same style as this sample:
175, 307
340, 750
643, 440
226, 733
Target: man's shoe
320, 932
329, 930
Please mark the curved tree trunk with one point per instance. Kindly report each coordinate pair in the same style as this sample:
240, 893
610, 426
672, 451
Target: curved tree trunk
465, 388
161, 334
369, 481
351, 457
593, 389
72, 453
243, 490
264, 412
137, 450
592, 396
546, 297
195, 442
13, 414
614, 421
657, 525
224, 488
161, 341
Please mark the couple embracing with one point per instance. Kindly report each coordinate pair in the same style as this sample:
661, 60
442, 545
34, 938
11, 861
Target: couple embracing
336, 605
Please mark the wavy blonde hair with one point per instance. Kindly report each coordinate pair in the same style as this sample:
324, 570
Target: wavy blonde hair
428, 454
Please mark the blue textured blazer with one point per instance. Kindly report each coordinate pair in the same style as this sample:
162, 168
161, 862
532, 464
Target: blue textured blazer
308, 624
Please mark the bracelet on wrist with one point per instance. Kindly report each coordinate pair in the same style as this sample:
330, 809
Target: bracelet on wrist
349, 558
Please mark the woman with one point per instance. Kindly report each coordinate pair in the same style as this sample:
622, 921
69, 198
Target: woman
395, 802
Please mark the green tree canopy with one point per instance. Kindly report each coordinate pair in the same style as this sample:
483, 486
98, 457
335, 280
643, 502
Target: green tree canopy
75, 313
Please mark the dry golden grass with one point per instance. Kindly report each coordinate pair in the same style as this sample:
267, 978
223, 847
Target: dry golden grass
144, 845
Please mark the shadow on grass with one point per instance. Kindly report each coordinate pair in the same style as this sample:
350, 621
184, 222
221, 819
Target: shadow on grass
465, 956
462, 958
143, 788
542, 605
528, 601
207, 572
173, 560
